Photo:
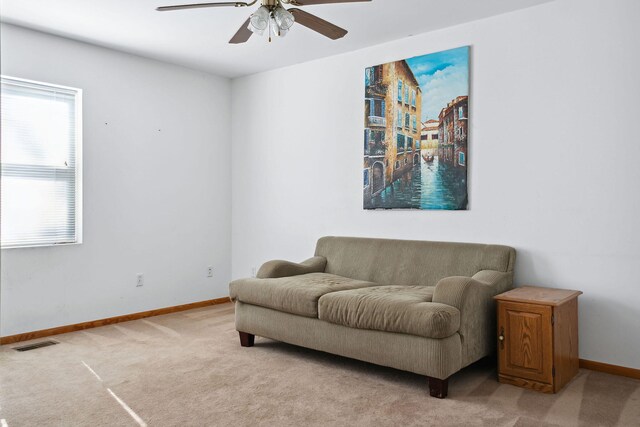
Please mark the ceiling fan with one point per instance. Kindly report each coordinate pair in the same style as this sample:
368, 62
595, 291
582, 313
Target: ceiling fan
272, 17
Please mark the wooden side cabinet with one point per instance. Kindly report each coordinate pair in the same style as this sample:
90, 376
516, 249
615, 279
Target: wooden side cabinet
537, 337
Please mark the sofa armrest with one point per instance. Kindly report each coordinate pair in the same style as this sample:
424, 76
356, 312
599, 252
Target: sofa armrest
473, 296
279, 268
498, 280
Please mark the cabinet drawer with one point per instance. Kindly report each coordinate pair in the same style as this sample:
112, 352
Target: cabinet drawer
525, 341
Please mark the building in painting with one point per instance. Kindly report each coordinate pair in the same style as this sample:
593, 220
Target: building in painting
452, 132
429, 137
393, 107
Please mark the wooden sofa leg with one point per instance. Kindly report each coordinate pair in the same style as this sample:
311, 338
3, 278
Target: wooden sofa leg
246, 340
438, 388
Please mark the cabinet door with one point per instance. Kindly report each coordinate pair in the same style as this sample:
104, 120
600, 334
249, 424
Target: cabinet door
526, 347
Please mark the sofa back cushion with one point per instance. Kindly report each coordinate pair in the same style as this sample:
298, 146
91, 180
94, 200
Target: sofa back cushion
410, 262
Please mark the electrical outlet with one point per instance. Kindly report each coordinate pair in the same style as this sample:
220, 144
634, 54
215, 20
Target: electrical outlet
140, 280
209, 271
253, 271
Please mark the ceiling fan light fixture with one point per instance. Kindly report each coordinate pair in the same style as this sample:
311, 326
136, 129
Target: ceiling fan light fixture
259, 20
283, 18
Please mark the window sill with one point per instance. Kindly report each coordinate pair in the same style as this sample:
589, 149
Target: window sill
44, 245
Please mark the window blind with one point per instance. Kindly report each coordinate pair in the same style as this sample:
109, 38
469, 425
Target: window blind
40, 199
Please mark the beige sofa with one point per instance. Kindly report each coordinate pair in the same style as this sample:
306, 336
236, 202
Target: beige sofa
423, 307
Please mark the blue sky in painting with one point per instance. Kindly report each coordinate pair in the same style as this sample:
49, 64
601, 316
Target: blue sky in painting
442, 76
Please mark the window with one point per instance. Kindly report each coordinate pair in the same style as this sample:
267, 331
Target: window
400, 119
399, 90
460, 113
366, 178
407, 120
41, 158
413, 98
406, 94
461, 158
374, 142
400, 142
368, 76
414, 123
377, 136
373, 75
375, 107
434, 136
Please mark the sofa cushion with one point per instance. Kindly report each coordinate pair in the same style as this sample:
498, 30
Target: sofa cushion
296, 294
401, 309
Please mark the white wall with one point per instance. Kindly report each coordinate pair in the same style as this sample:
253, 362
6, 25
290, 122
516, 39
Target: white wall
156, 188
553, 158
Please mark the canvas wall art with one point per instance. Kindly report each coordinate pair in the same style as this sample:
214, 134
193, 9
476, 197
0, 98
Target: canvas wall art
416, 124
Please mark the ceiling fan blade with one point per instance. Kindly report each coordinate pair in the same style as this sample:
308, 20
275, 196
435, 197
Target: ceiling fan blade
199, 5
319, 25
312, 2
243, 34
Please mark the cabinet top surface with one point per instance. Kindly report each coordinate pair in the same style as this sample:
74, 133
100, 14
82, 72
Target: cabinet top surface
536, 295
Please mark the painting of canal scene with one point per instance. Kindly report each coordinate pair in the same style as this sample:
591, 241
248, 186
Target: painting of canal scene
415, 138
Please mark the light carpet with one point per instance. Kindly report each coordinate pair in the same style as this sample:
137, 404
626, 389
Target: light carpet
188, 369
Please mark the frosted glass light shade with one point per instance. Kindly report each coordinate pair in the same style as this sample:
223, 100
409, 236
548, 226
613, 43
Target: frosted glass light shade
283, 18
259, 20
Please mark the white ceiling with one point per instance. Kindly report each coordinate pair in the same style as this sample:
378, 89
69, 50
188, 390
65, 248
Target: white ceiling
198, 38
